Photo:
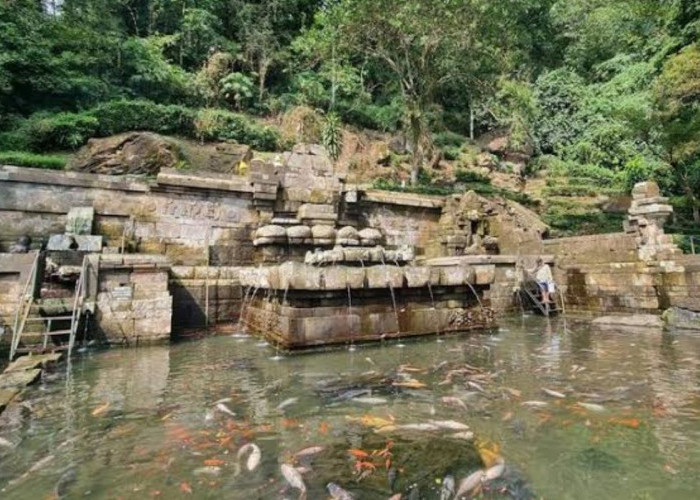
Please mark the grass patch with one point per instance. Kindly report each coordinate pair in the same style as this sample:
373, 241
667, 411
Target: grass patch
24, 159
566, 222
484, 189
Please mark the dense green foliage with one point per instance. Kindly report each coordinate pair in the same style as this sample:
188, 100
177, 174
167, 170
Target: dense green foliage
602, 94
23, 159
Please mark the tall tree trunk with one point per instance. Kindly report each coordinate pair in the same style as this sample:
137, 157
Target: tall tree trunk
471, 120
415, 135
263, 67
692, 199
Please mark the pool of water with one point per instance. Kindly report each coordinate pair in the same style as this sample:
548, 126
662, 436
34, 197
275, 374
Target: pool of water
620, 418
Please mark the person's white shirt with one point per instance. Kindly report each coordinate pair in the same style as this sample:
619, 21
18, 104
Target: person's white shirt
544, 274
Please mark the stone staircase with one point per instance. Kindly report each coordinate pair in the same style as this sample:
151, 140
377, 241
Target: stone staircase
47, 324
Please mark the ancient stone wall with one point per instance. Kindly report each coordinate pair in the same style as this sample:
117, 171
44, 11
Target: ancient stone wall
639, 270
199, 291
133, 305
165, 219
14, 272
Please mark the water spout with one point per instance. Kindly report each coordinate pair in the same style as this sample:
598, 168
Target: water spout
352, 340
481, 306
240, 332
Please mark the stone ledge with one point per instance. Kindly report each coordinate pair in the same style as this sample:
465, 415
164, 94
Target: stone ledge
484, 259
9, 173
200, 180
404, 199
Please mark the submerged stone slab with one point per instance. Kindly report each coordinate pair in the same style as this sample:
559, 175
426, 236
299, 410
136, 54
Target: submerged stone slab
6, 396
19, 379
643, 321
684, 319
32, 361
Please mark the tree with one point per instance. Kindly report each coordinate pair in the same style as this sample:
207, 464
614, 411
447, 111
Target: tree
678, 114
426, 46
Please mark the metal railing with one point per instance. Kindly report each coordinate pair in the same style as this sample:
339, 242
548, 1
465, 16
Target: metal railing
24, 305
80, 291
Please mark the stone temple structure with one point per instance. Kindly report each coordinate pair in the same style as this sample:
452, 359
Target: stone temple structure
291, 251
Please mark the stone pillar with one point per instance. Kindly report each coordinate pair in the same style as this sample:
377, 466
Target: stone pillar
645, 220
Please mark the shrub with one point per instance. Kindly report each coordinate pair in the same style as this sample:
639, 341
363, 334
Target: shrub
471, 176
123, 115
640, 168
61, 131
24, 159
448, 139
217, 124
17, 140
389, 185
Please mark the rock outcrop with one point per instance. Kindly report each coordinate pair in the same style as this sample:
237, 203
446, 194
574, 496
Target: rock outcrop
137, 153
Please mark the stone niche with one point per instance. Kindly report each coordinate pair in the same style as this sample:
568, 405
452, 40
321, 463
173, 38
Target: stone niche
473, 225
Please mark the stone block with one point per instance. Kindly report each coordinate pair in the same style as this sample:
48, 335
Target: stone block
152, 307
379, 323
182, 254
262, 277
63, 242
484, 275
182, 272
206, 272
383, 276
111, 279
297, 276
107, 302
323, 234
155, 280
417, 277
457, 275
298, 235
170, 230
643, 190
326, 329
317, 212
334, 278
80, 220
155, 328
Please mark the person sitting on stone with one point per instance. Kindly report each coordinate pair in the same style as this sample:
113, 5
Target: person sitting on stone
22, 245
543, 276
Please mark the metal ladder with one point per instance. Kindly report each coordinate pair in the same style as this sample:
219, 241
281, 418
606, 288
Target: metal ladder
27, 300
526, 288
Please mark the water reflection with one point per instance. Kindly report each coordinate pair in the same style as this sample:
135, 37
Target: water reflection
620, 417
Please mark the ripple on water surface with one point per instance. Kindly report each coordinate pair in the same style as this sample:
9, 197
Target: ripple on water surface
574, 413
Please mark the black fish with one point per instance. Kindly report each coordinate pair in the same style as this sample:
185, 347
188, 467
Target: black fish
391, 476
414, 493
64, 483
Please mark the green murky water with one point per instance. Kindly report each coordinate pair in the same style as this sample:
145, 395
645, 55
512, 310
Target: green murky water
142, 423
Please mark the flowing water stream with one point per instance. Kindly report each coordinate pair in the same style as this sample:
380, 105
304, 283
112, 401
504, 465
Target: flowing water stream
620, 420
